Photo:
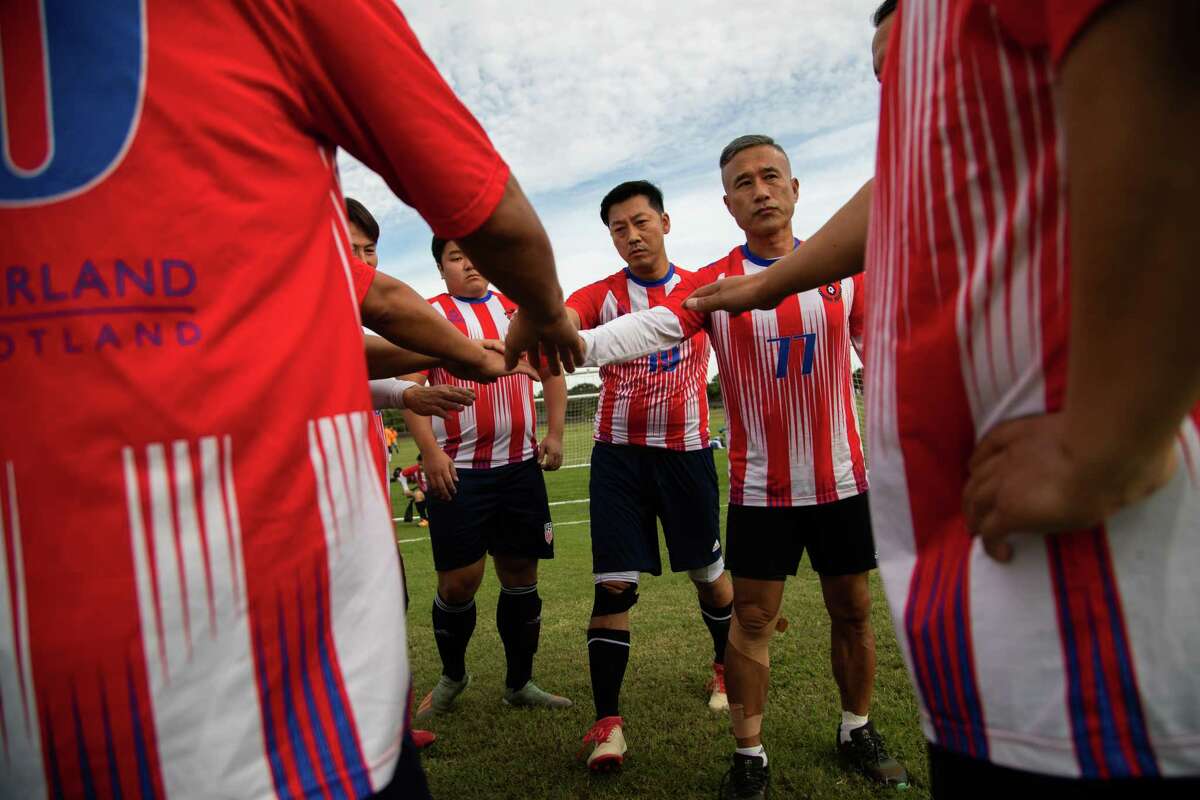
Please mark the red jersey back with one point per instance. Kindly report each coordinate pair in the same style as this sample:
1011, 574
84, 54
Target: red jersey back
789, 395
659, 400
195, 576
501, 426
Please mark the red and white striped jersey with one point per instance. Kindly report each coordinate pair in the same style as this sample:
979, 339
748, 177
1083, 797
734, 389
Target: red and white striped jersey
199, 589
501, 427
785, 378
1078, 658
658, 400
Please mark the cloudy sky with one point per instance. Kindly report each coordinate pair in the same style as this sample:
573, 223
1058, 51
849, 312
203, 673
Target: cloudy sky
579, 96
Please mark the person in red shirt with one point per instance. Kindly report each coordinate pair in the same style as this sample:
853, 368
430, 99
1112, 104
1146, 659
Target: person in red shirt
651, 462
798, 478
224, 636
1037, 519
487, 495
416, 474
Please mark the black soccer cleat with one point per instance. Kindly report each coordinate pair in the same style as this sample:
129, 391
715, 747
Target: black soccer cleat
866, 753
748, 778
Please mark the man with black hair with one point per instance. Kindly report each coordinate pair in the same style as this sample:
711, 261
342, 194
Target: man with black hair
487, 495
651, 462
798, 479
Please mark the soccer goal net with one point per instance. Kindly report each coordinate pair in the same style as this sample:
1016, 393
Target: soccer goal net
583, 387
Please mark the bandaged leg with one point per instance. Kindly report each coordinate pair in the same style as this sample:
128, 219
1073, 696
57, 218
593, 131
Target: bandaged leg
748, 670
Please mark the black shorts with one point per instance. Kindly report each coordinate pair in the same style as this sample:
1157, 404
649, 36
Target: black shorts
408, 781
953, 775
631, 486
767, 543
502, 511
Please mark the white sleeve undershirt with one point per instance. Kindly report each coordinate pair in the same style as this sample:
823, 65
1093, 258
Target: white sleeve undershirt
632, 336
389, 393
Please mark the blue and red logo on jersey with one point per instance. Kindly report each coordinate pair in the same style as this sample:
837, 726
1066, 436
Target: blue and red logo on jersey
74, 77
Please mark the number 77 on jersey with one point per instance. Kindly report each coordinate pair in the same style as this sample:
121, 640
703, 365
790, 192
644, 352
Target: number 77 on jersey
784, 359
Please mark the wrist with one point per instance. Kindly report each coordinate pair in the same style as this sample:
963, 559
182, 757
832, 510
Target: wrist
554, 314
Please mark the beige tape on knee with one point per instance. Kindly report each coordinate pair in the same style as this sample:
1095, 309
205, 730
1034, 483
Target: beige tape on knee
753, 645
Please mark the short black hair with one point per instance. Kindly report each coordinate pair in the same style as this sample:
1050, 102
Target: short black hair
630, 189
883, 12
439, 247
745, 143
359, 215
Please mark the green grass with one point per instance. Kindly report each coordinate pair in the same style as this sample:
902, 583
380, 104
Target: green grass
677, 748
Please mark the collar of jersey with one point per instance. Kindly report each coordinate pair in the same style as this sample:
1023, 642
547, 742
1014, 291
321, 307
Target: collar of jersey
648, 284
765, 262
474, 300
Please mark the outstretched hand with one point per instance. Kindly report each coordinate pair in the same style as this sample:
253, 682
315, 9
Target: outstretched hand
555, 343
489, 365
1026, 478
437, 401
735, 295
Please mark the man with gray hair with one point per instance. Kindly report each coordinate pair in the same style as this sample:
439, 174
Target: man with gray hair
797, 476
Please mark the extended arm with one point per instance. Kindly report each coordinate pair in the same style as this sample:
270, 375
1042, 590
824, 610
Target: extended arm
632, 336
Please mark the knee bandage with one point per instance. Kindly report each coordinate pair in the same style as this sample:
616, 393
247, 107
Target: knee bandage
607, 602
753, 644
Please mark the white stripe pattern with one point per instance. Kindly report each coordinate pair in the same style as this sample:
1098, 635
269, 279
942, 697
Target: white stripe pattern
22, 762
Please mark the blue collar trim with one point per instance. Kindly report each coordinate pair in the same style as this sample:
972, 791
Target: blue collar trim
649, 284
764, 262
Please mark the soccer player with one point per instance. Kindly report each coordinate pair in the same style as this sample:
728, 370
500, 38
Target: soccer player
487, 495
651, 461
175, 620
798, 480
416, 495
1033, 369
834, 252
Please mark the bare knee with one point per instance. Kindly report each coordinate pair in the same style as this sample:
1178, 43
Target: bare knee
459, 586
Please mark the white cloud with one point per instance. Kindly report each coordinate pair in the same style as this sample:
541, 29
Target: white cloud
579, 96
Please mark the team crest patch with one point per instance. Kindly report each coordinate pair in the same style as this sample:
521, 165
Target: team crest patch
455, 316
832, 292
549, 532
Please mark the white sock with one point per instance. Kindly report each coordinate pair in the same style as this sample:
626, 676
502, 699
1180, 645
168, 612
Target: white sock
850, 721
757, 751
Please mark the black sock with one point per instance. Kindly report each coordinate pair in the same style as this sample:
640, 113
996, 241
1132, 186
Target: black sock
452, 629
519, 620
717, 619
408, 511
421, 509
608, 653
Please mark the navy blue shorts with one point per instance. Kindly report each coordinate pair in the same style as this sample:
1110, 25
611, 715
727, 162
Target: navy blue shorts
632, 487
502, 511
766, 543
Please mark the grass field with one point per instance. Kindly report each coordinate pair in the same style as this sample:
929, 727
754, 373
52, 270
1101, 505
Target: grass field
677, 748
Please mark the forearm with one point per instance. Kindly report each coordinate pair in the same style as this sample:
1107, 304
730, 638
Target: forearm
386, 360
834, 252
389, 393
512, 251
1131, 111
632, 336
421, 429
554, 390
393, 310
